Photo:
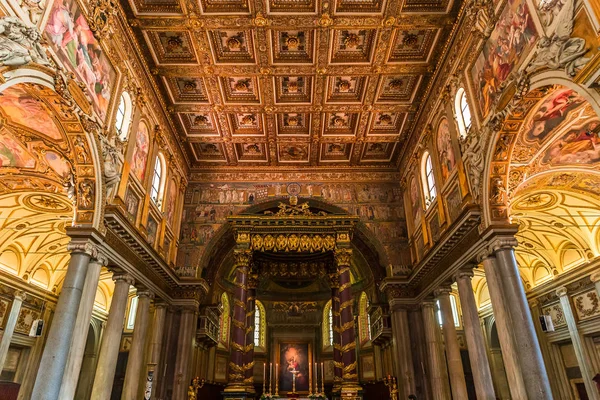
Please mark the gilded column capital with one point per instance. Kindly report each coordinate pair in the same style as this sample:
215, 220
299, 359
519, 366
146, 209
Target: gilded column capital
343, 256
242, 257
595, 277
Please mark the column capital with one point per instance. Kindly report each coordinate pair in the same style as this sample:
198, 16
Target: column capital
20, 294
561, 291
83, 246
342, 255
484, 254
121, 277
595, 277
533, 304
442, 291
145, 293
159, 304
464, 274
502, 243
100, 258
429, 303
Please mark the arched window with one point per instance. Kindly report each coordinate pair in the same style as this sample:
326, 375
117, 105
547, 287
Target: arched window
224, 322
123, 117
327, 325
364, 322
158, 181
428, 180
463, 113
260, 325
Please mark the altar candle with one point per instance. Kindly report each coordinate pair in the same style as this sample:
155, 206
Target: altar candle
270, 377
276, 372
316, 375
264, 372
322, 375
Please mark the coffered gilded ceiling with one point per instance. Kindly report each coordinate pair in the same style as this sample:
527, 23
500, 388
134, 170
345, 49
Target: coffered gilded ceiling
302, 83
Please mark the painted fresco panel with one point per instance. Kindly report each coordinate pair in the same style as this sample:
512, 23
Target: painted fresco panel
13, 153
171, 200
512, 38
576, 147
139, 160
445, 150
71, 37
24, 109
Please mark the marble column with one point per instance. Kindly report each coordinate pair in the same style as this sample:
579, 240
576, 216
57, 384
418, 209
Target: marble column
54, 359
480, 366
504, 328
185, 344
9, 329
250, 314
595, 277
111, 339
138, 344
156, 340
583, 358
458, 385
438, 373
237, 371
334, 282
350, 385
82, 326
403, 352
528, 350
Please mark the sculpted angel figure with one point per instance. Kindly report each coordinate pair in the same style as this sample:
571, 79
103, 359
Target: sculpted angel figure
19, 43
560, 50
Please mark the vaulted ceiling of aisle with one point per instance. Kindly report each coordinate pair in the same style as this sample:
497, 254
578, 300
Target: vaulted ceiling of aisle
292, 83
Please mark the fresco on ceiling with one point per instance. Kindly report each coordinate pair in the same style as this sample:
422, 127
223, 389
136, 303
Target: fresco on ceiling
13, 153
140, 152
207, 207
576, 147
512, 38
171, 199
445, 150
415, 202
551, 113
22, 108
76, 46
57, 163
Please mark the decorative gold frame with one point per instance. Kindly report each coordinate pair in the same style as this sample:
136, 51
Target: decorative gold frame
276, 360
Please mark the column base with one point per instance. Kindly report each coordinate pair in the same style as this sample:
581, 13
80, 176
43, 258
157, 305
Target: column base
349, 391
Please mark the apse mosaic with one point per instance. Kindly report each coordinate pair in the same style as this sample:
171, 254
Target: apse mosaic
208, 205
514, 36
76, 46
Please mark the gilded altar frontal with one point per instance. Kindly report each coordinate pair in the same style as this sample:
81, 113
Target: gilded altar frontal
299, 199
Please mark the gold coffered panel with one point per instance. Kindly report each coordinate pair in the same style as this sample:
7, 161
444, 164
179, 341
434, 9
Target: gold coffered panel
293, 83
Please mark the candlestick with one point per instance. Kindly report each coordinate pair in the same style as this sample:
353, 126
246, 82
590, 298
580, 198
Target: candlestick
270, 378
277, 379
316, 375
264, 378
323, 378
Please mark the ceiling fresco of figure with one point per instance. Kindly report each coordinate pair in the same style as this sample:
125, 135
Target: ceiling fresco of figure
293, 84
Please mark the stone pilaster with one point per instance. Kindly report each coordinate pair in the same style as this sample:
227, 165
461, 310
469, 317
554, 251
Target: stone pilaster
9, 329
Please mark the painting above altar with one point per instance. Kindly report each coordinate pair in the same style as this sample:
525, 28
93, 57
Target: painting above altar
294, 359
